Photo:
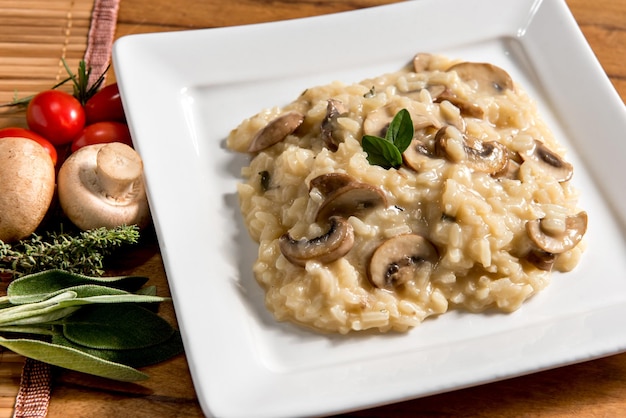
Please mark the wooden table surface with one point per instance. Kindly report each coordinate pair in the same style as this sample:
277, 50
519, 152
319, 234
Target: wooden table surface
591, 389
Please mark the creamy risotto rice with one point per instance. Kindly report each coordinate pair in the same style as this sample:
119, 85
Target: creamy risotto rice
478, 214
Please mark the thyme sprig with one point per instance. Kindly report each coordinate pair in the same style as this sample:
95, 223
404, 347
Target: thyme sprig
83, 253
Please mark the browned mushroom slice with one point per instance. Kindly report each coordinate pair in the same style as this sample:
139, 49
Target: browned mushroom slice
558, 168
334, 109
421, 62
276, 131
377, 121
491, 79
353, 199
541, 259
413, 156
397, 260
330, 182
466, 107
575, 229
326, 248
487, 157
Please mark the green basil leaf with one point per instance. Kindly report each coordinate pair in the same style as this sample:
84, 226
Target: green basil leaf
39, 286
381, 152
139, 357
400, 132
71, 358
116, 327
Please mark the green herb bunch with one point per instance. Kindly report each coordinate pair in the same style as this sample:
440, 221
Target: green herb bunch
83, 253
100, 326
387, 152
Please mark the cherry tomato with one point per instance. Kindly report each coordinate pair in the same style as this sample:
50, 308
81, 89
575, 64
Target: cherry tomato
25, 133
102, 132
55, 115
105, 105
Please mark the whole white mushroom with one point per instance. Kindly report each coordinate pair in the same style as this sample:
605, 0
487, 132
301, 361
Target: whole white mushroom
102, 185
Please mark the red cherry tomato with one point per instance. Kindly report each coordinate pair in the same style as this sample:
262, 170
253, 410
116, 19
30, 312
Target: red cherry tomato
55, 115
25, 133
105, 105
102, 132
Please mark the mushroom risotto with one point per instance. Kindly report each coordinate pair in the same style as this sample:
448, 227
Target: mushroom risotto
474, 213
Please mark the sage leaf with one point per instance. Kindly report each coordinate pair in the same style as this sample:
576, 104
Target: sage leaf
139, 357
381, 152
72, 359
116, 327
39, 286
39, 312
36, 329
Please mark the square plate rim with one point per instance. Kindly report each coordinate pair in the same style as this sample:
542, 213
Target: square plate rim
127, 46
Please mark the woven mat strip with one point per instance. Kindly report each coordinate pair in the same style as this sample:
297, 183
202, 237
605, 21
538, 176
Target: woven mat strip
100, 40
33, 397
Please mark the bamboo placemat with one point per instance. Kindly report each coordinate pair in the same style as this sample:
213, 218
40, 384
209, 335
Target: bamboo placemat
35, 37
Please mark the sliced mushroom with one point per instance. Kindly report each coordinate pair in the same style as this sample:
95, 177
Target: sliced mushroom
487, 157
541, 259
491, 79
466, 107
377, 121
397, 259
575, 229
276, 131
345, 196
421, 62
330, 182
334, 244
510, 171
334, 109
558, 168
414, 153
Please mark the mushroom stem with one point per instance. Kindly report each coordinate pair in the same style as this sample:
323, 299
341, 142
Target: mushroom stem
118, 169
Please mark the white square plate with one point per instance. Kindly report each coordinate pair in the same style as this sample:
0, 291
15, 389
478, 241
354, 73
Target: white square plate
184, 92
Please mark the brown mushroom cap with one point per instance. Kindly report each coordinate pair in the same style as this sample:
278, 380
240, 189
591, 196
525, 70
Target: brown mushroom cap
276, 131
558, 168
345, 196
332, 245
397, 259
487, 157
491, 79
575, 229
26, 187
